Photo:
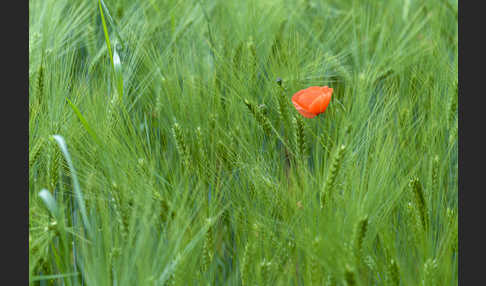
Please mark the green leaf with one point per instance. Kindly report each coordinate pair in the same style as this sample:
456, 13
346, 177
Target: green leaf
116, 75
77, 188
50, 202
84, 122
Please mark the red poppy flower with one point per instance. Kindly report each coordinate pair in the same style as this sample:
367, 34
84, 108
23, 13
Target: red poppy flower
313, 100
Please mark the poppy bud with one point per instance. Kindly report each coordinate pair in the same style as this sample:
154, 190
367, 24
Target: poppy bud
279, 81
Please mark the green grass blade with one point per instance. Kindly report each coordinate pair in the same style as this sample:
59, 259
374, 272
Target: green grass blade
52, 277
116, 68
84, 122
77, 188
50, 202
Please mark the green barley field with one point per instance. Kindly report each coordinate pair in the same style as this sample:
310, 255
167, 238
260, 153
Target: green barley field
164, 148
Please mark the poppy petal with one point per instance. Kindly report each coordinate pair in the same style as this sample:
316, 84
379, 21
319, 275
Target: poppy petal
306, 98
320, 104
313, 89
306, 114
326, 89
302, 111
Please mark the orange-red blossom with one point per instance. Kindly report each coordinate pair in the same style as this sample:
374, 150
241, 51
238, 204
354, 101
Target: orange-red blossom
313, 100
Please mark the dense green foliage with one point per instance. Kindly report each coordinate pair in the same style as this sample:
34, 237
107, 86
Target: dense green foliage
185, 162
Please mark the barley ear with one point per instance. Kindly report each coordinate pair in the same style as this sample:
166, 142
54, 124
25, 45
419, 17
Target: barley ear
326, 192
181, 145
430, 272
394, 273
245, 263
40, 85
179, 274
203, 154
35, 151
300, 138
453, 106
237, 59
452, 221
350, 276
315, 269
253, 59
208, 250
414, 224
265, 271
260, 117
419, 201
360, 233
453, 133
435, 173
55, 161
330, 280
